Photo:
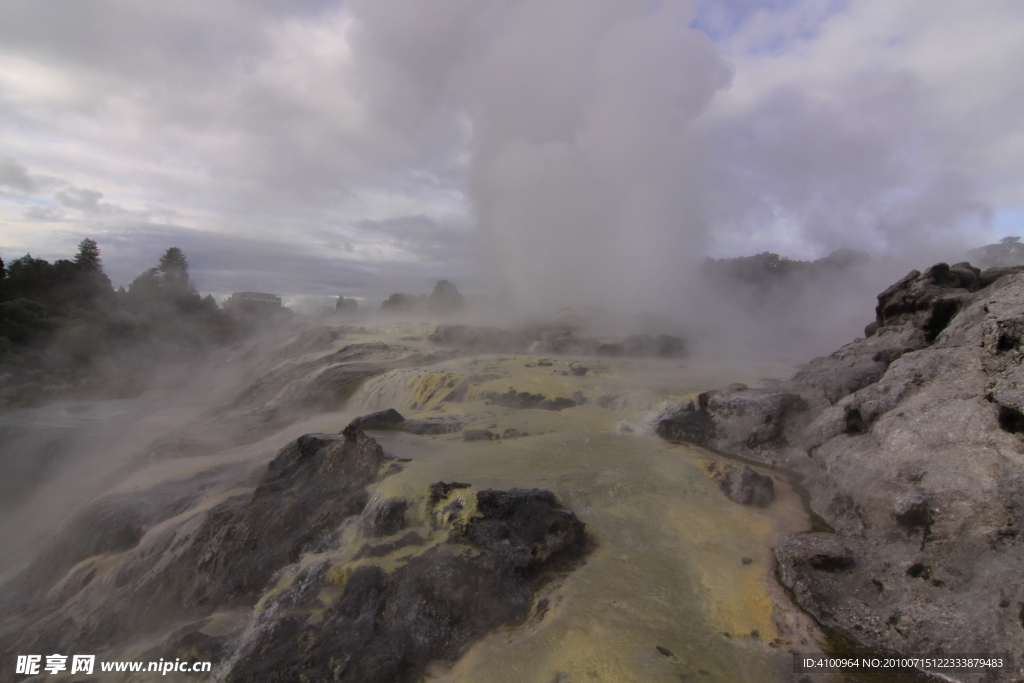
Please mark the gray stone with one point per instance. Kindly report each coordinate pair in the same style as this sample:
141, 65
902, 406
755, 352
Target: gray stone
747, 487
910, 444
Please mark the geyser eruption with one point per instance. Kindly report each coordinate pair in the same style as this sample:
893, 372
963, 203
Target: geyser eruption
584, 163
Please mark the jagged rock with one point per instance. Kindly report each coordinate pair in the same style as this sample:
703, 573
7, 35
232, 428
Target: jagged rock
370, 626
522, 529
910, 445
222, 558
688, 426
388, 517
747, 487
391, 627
742, 421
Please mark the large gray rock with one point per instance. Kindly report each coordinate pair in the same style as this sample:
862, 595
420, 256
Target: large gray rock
911, 445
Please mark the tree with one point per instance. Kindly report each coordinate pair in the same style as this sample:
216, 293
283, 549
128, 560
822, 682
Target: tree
88, 257
174, 269
146, 285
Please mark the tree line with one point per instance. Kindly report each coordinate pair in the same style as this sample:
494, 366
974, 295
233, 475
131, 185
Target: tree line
59, 320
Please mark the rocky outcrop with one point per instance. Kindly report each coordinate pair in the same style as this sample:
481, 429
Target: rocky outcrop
558, 340
391, 419
524, 399
444, 300
390, 627
131, 564
646, 346
748, 487
910, 443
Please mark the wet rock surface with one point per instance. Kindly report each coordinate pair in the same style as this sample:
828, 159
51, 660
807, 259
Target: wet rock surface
130, 564
391, 419
909, 442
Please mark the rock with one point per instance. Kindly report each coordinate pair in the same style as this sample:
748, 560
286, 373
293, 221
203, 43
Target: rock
910, 443
646, 346
816, 567
479, 435
390, 627
523, 399
224, 557
344, 305
388, 517
743, 421
445, 298
689, 426
429, 427
441, 490
522, 529
400, 303
383, 419
299, 616
747, 487
817, 551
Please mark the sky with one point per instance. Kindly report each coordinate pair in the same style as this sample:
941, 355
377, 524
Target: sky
553, 151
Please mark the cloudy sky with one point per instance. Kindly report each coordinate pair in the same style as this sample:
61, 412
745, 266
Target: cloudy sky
589, 148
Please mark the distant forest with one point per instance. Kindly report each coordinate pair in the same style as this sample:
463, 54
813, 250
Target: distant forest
60, 321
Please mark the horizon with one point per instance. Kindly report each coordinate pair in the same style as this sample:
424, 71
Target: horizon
357, 149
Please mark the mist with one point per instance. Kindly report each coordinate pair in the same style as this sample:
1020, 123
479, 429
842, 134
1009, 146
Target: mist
610, 148
547, 154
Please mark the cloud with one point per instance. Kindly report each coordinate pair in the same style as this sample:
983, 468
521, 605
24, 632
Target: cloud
222, 263
82, 199
880, 125
45, 214
567, 150
15, 176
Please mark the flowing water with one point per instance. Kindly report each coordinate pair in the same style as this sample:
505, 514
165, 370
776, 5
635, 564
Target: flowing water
678, 584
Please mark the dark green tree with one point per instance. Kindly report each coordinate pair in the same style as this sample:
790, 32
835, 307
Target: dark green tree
174, 269
88, 257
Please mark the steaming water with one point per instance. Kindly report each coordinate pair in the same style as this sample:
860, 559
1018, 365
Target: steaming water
668, 565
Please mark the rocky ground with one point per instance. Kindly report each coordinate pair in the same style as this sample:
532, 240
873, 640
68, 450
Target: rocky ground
264, 562
909, 442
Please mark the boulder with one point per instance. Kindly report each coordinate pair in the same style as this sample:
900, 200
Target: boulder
748, 487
